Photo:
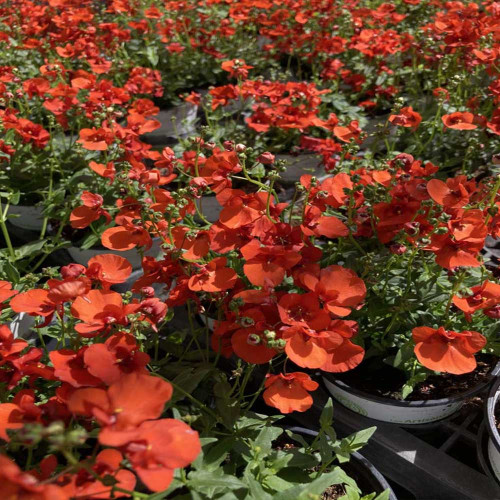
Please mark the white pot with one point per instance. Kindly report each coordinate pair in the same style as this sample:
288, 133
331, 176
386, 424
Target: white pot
493, 448
494, 456
27, 217
185, 123
301, 165
83, 256
396, 412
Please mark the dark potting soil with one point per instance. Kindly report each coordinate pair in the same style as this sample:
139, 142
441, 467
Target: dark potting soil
386, 381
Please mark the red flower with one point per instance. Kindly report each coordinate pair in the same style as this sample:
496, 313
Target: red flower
100, 310
69, 366
345, 134
6, 292
304, 346
250, 342
342, 354
454, 193
459, 121
304, 310
108, 269
158, 448
84, 485
289, 392
17, 484
267, 265
119, 355
406, 118
340, 288
123, 406
195, 244
90, 211
96, 139
484, 296
9, 346
108, 171
214, 277
319, 225
236, 68
463, 241
447, 351
126, 237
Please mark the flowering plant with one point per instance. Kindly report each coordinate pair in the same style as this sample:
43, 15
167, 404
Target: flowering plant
113, 395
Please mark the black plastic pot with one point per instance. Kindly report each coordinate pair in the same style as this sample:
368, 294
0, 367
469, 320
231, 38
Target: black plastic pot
358, 468
489, 438
400, 412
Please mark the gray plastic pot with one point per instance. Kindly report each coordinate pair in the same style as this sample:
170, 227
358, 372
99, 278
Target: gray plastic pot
400, 412
26, 217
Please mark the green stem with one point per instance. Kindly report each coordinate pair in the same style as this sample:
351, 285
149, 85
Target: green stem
5, 231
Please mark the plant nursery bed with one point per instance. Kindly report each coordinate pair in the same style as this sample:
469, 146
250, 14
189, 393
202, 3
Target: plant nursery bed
437, 461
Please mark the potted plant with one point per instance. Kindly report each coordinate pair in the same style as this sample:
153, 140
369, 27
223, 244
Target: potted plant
119, 381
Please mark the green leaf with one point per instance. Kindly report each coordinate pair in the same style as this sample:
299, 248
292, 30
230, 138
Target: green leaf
276, 483
326, 417
29, 249
353, 443
385, 495
209, 481
212, 457
89, 241
188, 381
256, 490
10, 271
266, 437
315, 487
152, 55
412, 382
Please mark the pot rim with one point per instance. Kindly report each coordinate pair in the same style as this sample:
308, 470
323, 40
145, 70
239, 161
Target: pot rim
358, 457
489, 410
330, 377
483, 439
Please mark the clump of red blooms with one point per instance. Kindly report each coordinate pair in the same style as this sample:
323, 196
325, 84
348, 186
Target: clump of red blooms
292, 284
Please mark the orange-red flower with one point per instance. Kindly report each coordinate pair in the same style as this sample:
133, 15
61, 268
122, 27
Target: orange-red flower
463, 241
109, 269
91, 210
342, 353
447, 351
236, 68
454, 193
214, 277
107, 464
126, 237
99, 310
17, 484
459, 121
267, 265
298, 309
340, 288
159, 447
96, 139
345, 134
406, 117
484, 296
289, 392
6, 292
124, 405
118, 356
